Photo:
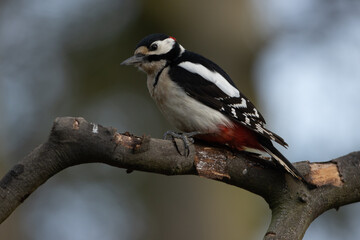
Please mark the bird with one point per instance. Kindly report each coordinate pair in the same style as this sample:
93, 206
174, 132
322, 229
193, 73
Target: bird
200, 99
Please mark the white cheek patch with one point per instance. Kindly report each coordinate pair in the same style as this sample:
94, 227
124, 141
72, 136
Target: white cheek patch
164, 46
211, 76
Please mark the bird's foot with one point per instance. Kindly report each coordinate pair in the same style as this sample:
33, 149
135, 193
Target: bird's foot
187, 139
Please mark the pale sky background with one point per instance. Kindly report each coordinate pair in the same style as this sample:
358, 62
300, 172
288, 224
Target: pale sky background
311, 79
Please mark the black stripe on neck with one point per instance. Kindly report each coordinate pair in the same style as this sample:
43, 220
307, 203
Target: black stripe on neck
170, 57
158, 74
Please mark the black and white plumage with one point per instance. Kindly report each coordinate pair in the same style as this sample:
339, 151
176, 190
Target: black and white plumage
196, 95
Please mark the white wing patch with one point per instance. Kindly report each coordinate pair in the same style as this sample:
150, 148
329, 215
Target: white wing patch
211, 76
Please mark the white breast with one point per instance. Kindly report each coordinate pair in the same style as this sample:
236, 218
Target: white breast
184, 112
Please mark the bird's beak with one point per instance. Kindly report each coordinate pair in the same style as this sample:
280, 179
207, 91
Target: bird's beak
137, 58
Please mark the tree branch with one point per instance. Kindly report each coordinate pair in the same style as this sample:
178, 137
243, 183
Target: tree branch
74, 141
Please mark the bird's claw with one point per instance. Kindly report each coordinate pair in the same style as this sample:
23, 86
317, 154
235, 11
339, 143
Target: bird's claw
187, 139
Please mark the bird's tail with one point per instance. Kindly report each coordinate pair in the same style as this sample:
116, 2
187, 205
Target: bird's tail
282, 161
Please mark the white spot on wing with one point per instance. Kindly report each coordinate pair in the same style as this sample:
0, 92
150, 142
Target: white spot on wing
261, 129
211, 76
242, 104
233, 111
95, 128
256, 113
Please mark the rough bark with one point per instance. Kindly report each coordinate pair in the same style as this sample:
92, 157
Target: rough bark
294, 206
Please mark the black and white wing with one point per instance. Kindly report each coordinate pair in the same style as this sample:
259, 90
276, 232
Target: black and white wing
206, 82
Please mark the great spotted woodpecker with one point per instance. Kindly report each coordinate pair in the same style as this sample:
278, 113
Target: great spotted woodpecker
200, 99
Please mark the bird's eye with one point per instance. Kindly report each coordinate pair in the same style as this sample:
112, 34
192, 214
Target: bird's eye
153, 47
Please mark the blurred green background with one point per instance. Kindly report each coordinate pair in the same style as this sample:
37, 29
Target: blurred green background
297, 61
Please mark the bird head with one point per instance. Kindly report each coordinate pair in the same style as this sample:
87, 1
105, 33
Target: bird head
153, 52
